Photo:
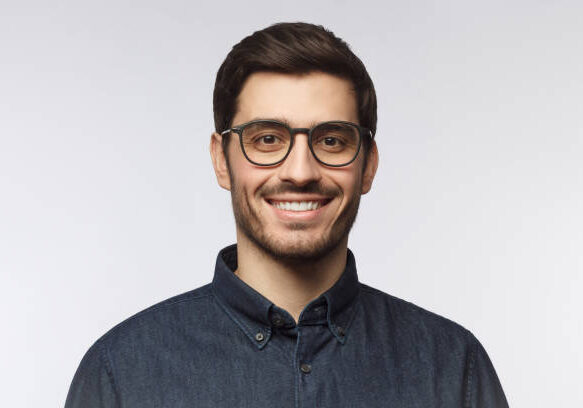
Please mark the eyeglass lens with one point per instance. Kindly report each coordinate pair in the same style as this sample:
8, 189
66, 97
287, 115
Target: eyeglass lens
332, 143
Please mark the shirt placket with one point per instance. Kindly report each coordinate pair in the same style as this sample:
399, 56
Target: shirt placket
311, 336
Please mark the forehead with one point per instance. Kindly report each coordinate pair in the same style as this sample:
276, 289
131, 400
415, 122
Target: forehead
301, 99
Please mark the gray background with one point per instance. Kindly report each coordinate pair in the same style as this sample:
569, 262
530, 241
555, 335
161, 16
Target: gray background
109, 202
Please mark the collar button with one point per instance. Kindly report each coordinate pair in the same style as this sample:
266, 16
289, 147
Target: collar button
320, 309
259, 337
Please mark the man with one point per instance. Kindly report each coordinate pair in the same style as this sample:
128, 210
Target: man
285, 321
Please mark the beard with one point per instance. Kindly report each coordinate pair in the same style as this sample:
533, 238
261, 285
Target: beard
296, 245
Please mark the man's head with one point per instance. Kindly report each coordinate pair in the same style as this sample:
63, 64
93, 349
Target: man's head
302, 75
291, 48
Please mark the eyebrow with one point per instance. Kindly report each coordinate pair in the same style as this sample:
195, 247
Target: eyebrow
285, 121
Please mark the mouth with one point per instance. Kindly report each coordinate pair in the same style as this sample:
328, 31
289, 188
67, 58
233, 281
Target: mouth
299, 206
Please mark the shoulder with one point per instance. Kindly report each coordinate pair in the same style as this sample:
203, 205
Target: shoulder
137, 344
431, 343
412, 322
181, 311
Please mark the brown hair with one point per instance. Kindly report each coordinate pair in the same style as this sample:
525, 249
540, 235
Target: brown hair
294, 48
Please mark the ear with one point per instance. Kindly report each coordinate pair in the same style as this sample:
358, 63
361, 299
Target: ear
371, 168
220, 161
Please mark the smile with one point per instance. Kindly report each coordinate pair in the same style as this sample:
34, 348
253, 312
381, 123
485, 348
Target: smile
297, 205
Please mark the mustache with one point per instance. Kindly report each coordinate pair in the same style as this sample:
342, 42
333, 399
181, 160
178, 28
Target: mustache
310, 188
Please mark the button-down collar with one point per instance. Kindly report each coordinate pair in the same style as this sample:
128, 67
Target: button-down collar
258, 317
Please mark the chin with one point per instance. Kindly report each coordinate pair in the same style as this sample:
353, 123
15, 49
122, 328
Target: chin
305, 249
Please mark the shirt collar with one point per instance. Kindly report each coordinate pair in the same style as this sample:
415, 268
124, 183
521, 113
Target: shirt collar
258, 317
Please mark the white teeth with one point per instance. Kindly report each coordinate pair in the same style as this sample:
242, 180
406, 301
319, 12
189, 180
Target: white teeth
297, 205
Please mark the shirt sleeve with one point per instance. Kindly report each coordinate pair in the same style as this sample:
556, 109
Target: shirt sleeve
483, 388
93, 385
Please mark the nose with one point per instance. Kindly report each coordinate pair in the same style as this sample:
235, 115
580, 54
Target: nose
300, 167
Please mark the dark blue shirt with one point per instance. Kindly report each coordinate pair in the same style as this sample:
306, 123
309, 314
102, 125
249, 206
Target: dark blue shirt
225, 345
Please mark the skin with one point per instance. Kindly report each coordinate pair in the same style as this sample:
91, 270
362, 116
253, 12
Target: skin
292, 258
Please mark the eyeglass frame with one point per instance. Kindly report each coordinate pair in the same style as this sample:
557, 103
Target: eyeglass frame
293, 131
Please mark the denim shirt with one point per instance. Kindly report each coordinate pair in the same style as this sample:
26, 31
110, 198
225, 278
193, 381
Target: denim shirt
225, 345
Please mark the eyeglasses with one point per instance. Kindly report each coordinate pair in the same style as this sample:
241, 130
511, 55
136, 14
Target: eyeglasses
269, 142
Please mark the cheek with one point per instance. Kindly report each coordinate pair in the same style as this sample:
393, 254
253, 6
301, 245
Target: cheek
347, 180
245, 177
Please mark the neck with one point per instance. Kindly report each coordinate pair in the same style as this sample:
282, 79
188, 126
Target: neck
289, 285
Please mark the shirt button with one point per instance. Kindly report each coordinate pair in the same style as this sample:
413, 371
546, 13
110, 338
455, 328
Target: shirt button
259, 336
341, 331
305, 368
277, 321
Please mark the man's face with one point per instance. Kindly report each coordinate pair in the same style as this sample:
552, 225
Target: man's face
260, 194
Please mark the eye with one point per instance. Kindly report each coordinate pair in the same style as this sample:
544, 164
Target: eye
267, 139
267, 142
331, 141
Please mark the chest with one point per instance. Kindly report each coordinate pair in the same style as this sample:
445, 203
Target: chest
309, 368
